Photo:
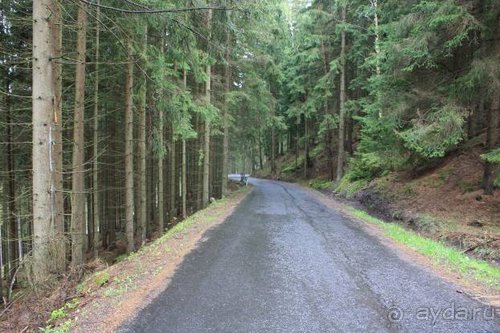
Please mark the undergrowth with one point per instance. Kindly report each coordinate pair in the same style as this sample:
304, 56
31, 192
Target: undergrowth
348, 188
320, 184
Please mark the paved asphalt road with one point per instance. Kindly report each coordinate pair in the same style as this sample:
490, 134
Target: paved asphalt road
283, 262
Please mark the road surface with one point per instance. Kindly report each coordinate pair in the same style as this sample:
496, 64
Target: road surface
283, 262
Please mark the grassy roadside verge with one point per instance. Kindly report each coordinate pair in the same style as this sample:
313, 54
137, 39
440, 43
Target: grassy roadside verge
440, 254
107, 298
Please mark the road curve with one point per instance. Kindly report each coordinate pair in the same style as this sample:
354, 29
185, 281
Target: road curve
283, 262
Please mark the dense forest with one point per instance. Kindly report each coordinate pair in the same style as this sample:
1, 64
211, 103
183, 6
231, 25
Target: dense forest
120, 118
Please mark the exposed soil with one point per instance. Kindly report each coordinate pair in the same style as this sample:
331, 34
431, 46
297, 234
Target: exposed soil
110, 295
445, 203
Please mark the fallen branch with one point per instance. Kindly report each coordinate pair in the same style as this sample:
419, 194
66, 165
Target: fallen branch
478, 245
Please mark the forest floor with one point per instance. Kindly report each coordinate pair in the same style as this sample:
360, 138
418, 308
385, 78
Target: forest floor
109, 295
444, 203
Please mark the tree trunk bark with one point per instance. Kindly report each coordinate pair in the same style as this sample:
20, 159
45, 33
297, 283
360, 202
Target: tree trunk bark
206, 141
95, 170
44, 160
184, 160
11, 187
129, 154
78, 171
172, 191
306, 146
225, 122
261, 155
374, 4
329, 132
56, 31
161, 193
341, 153
142, 208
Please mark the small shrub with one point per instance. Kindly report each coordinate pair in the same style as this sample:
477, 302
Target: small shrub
57, 314
120, 258
427, 223
112, 292
320, 184
348, 188
292, 166
72, 304
63, 328
101, 278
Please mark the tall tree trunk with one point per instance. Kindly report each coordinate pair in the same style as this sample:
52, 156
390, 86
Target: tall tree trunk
78, 176
225, 115
341, 153
184, 160
95, 170
161, 158
206, 141
142, 208
160, 183
273, 139
261, 153
172, 191
161, 193
297, 143
44, 160
329, 132
129, 154
1, 256
491, 142
306, 146
374, 4
11, 187
56, 31
273, 150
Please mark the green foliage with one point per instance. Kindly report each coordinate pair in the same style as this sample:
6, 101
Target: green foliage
348, 188
320, 184
71, 305
483, 75
101, 278
435, 133
62, 328
57, 314
427, 223
293, 165
492, 157
365, 166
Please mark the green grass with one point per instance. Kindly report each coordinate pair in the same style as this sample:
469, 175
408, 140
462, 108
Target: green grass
293, 165
348, 188
62, 328
442, 255
320, 184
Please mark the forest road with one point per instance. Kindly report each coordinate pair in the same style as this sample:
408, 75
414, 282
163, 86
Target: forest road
284, 262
